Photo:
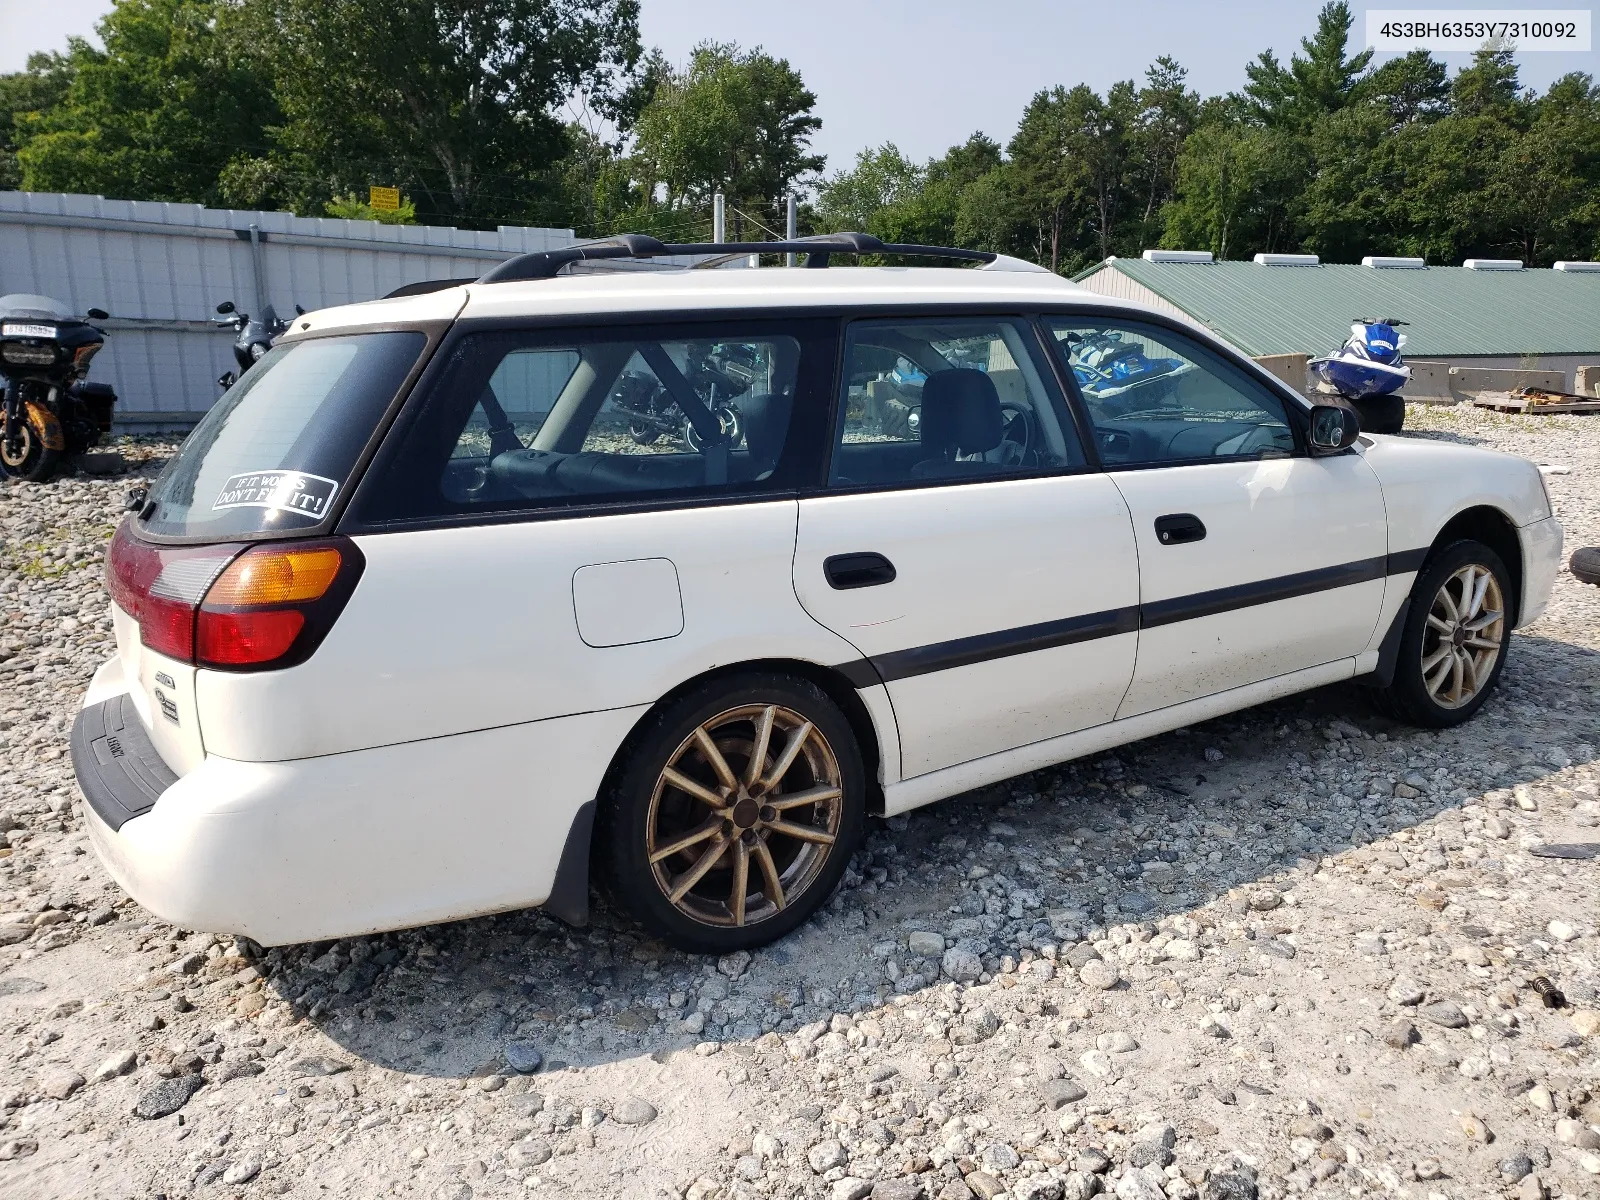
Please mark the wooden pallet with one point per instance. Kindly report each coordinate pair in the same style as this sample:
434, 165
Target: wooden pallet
1536, 403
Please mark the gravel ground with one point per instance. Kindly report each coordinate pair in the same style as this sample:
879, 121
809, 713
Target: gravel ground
1288, 952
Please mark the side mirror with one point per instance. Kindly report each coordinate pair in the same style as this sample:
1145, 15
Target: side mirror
98, 314
1333, 428
225, 307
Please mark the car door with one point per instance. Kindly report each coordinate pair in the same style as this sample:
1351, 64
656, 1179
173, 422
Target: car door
1255, 560
963, 546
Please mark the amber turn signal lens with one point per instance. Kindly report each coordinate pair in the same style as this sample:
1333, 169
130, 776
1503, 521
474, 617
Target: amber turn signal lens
272, 576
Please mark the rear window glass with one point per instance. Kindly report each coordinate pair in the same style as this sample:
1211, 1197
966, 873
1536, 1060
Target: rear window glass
277, 450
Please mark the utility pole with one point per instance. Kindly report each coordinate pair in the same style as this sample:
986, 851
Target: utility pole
719, 219
791, 224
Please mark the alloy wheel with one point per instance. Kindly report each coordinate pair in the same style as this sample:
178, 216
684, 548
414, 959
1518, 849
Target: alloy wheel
744, 815
1463, 637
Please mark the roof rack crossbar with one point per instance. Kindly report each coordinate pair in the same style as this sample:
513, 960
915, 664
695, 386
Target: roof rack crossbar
545, 264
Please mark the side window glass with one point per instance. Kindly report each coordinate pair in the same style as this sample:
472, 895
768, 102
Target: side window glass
1154, 396
540, 419
939, 400
519, 394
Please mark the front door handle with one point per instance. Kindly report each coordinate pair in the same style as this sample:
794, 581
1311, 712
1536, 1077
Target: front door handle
846, 571
1175, 529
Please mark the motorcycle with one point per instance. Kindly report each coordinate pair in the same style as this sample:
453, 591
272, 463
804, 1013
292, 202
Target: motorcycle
254, 338
1367, 370
50, 409
717, 374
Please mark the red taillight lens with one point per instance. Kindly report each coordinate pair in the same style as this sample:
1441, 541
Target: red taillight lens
275, 602
240, 638
268, 606
160, 587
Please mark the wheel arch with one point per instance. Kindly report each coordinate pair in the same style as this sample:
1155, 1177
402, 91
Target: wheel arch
1491, 526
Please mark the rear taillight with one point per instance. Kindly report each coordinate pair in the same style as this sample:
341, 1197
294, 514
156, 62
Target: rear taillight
232, 606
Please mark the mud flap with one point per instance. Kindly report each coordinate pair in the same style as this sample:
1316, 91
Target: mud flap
1388, 650
569, 895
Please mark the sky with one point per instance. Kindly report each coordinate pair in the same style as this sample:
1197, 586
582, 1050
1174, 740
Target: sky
928, 73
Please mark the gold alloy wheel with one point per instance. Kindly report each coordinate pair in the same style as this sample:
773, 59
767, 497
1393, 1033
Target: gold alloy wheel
16, 458
744, 816
1463, 637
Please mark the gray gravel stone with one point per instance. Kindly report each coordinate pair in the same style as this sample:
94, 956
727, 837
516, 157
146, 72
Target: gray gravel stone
524, 1057
634, 1111
1446, 1013
167, 1096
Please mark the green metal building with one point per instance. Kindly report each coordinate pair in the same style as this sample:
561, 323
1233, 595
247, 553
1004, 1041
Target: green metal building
1487, 313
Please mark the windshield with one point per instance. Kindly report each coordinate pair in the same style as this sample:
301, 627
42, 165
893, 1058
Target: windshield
278, 448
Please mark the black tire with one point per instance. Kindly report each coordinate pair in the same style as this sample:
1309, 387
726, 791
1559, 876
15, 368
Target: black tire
640, 810
1586, 564
32, 461
1408, 697
1381, 414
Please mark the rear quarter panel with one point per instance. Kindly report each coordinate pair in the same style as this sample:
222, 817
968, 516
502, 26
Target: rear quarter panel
452, 630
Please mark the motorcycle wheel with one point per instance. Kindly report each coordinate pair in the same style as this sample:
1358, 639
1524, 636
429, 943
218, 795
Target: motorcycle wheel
32, 461
728, 416
643, 434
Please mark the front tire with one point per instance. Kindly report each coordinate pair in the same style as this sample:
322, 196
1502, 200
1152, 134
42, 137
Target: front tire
29, 458
1381, 414
735, 813
1456, 635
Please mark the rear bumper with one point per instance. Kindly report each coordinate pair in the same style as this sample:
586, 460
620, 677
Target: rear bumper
356, 843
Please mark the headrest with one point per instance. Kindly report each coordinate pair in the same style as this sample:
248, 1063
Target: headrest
961, 412
766, 425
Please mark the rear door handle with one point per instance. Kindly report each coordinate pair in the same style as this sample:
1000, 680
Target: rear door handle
1175, 529
846, 571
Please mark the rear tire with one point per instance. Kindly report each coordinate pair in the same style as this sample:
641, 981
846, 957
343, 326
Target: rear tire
1456, 636
1586, 564
1381, 414
717, 858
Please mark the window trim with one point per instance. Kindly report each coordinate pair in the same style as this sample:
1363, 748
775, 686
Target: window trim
1295, 415
816, 328
1026, 323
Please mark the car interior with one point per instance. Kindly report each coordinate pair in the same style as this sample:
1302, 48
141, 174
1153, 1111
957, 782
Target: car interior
1153, 399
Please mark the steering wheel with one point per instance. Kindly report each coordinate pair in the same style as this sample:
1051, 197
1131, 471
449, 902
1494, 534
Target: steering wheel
1019, 437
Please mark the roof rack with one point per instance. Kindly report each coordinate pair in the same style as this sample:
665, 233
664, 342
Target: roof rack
545, 264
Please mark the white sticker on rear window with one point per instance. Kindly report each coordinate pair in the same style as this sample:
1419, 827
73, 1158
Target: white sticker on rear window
290, 491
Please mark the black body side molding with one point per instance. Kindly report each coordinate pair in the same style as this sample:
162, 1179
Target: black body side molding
569, 895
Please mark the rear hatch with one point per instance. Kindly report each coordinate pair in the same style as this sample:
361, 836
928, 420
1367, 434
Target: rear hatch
227, 564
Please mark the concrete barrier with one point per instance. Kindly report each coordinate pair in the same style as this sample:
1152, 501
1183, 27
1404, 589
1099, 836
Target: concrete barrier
1586, 381
1467, 382
1291, 368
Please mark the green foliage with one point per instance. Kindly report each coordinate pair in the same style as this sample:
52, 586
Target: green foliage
152, 117
548, 112
733, 121
25, 97
353, 208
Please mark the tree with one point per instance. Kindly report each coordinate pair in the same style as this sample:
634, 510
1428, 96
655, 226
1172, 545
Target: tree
1238, 185
1168, 110
1413, 87
156, 114
25, 97
1323, 80
733, 121
455, 100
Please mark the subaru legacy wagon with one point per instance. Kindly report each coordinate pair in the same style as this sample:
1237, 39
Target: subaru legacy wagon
667, 579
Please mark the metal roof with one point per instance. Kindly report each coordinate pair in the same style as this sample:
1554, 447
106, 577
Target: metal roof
1453, 312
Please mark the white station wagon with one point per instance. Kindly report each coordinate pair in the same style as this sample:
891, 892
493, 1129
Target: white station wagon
674, 576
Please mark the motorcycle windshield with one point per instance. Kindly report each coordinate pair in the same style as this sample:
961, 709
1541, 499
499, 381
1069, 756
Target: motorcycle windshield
275, 454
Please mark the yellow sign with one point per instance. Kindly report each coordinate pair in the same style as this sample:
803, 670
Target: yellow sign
384, 199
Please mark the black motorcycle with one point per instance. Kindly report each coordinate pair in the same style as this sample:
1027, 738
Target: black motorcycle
50, 409
718, 375
255, 337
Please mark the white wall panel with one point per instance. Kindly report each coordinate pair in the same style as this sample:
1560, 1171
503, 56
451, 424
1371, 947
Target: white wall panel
160, 270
